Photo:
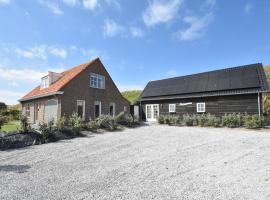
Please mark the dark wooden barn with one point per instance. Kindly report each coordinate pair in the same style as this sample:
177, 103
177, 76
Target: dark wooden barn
231, 90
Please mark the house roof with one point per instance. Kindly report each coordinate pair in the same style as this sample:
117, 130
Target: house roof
56, 87
235, 80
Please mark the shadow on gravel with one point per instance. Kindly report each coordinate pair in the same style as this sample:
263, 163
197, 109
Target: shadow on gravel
14, 168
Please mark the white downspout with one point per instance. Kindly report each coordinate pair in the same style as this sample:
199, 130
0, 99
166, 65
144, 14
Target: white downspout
259, 104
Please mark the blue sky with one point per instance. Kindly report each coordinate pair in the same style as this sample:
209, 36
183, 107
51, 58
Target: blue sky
137, 41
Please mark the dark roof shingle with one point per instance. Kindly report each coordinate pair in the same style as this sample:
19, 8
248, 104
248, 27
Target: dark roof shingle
243, 78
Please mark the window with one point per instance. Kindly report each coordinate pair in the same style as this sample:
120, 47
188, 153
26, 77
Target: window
81, 108
97, 81
171, 108
112, 109
97, 109
45, 82
200, 107
27, 110
125, 109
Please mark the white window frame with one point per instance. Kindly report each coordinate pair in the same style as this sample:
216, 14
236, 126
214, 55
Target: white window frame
99, 82
97, 103
172, 108
45, 82
83, 102
112, 104
201, 107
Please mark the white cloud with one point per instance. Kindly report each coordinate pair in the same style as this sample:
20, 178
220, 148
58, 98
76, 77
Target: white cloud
4, 2
136, 32
21, 74
41, 52
10, 97
161, 11
196, 27
52, 6
71, 2
248, 8
111, 28
34, 52
58, 52
90, 4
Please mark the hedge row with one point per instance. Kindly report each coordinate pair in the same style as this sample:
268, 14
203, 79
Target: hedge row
233, 120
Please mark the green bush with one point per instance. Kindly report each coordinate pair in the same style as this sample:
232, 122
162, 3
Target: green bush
124, 119
92, 125
25, 126
161, 119
107, 121
60, 123
3, 120
253, 121
76, 123
174, 120
189, 120
213, 121
202, 120
232, 120
47, 129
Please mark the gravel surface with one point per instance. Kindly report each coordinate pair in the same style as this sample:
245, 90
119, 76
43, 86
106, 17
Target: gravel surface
150, 162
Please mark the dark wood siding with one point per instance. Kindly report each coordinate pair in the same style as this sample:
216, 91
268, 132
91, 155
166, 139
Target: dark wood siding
246, 103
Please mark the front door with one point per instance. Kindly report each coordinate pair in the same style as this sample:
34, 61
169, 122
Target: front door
152, 112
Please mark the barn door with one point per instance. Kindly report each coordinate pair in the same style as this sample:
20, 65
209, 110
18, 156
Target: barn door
50, 110
152, 112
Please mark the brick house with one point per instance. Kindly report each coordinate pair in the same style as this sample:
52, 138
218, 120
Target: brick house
86, 89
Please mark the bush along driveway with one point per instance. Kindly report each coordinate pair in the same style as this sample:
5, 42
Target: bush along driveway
62, 129
150, 162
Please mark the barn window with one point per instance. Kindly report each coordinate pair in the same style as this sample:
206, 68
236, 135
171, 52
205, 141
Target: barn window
27, 110
200, 107
171, 108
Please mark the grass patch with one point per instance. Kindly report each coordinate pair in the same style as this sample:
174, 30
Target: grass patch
11, 126
132, 95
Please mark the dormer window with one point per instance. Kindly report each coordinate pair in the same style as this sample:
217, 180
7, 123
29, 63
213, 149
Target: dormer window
51, 78
97, 81
45, 82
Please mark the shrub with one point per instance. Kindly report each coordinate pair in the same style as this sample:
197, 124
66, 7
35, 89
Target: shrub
130, 120
121, 118
253, 122
92, 125
47, 129
124, 119
202, 120
25, 126
213, 121
232, 120
76, 123
189, 120
3, 120
161, 119
174, 120
60, 123
107, 121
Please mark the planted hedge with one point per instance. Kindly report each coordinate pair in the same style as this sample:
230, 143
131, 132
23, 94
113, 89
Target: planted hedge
233, 120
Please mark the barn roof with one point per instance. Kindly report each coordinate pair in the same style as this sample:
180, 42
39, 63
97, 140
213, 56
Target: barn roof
236, 80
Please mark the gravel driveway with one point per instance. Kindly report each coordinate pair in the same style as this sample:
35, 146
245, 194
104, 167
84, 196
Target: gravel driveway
150, 162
